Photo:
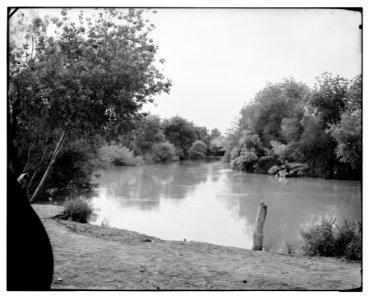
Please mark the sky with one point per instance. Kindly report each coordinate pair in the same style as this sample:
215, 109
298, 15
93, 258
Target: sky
218, 59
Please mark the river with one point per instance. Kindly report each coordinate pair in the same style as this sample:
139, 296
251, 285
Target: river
208, 202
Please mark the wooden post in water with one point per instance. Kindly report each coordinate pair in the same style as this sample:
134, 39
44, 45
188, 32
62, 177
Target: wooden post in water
258, 230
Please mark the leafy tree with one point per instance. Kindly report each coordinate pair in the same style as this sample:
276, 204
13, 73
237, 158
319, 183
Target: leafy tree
180, 133
288, 122
198, 150
328, 99
163, 152
202, 134
264, 115
291, 128
318, 146
347, 132
148, 133
87, 79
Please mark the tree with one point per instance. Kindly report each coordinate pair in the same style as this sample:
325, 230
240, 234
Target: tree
198, 150
275, 102
202, 134
148, 133
347, 132
180, 133
87, 79
328, 99
163, 152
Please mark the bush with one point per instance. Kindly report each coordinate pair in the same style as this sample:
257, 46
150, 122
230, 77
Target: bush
80, 158
325, 238
198, 150
264, 164
163, 152
119, 156
349, 240
319, 239
244, 162
77, 210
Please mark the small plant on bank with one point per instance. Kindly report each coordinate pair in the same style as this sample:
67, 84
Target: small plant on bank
326, 238
77, 210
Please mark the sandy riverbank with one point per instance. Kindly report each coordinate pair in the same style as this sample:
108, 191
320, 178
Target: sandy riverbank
93, 257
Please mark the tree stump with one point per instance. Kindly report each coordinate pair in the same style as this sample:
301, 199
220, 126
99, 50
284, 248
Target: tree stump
258, 230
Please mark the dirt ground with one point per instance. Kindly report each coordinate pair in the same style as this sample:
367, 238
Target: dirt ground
94, 257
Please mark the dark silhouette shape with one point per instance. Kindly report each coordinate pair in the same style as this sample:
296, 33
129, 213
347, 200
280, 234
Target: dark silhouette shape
30, 261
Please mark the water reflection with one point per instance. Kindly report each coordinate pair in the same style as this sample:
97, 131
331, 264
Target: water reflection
208, 202
145, 186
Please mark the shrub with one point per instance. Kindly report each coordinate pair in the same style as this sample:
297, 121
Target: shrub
325, 238
163, 152
77, 210
252, 142
264, 164
76, 178
280, 150
198, 150
234, 153
118, 156
349, 240
244, 162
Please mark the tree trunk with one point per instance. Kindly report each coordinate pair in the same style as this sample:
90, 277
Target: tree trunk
47, 171
258, 230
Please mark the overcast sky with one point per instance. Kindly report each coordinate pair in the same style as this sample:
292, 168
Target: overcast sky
219, 58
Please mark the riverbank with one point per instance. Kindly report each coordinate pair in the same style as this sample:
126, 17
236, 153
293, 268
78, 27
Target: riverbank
94, 257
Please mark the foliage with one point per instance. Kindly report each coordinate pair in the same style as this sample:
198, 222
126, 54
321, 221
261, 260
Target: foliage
329, 97
264, 164
348, 136
202, 135
347, 132
280, 150
147, 133
322, 238
117, 155
149, 140
163, 152
87, 79
245, 161
320, 127
180, 133
198, 150
77, 210
78, 174
291, 128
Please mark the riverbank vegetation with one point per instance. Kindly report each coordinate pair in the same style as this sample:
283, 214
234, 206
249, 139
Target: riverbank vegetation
326, 238
287, 122
77, 210
74, 89
153, 140
76, 92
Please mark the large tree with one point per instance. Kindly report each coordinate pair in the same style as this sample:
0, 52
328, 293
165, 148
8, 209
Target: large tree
85, 79
180, 133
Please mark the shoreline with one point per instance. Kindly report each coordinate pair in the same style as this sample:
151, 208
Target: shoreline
92, 257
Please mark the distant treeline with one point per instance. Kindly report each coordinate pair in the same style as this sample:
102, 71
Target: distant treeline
154, 140
289, 122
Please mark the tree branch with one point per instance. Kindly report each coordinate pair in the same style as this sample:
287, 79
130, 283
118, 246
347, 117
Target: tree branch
40, 186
